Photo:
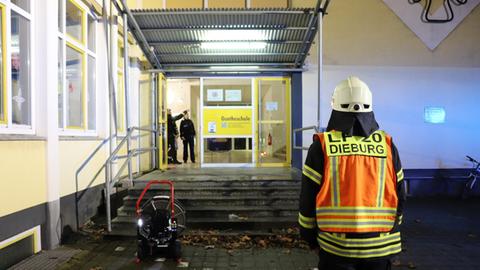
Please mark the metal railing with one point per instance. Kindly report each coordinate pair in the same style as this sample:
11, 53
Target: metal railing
301, 147
110, 178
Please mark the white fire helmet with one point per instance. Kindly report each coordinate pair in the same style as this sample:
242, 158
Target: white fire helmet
352, 95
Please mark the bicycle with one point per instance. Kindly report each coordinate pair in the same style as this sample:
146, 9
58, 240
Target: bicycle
472, 178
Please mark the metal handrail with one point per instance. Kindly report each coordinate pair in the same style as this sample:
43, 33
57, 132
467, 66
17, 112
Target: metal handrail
109, 180
107, 165
295, 146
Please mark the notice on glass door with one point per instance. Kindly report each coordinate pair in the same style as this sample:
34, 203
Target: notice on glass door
212, 127
227, 121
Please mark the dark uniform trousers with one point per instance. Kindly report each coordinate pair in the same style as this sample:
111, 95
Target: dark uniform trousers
172, 149
189, 143
328, 261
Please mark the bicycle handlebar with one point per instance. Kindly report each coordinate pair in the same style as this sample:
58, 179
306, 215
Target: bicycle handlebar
472, 159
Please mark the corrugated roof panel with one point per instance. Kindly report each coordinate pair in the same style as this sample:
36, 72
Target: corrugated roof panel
197, 49
177, 35
174, 59
198, 35
197, 18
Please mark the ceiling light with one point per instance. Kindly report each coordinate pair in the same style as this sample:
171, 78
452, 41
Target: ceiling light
233, 45
235, 67
233, 35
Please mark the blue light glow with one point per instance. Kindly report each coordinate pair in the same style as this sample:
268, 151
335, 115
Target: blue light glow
434, 115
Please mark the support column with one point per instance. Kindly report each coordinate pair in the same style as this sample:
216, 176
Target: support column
46, 83
320, 62
126, 76
297, 117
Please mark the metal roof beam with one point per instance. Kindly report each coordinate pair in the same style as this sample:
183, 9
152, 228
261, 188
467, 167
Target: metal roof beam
227, 64
319, 11
160, 43
221, 12
311, 28
225, 27
138, 34
223, 54
225, 70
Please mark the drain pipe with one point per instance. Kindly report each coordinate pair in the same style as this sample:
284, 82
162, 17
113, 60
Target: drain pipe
126, 75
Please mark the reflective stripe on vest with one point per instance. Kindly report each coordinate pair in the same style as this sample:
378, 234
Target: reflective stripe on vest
358, 192
380, 246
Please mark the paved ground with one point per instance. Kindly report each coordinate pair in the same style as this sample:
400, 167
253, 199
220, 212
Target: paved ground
439, 234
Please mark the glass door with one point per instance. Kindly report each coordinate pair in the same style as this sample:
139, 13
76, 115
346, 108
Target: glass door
227, 122
162, 123
273, 122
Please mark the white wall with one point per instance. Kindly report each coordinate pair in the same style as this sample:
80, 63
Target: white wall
399, 97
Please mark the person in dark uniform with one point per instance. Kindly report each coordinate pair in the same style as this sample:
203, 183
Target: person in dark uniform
187, 134
172, 134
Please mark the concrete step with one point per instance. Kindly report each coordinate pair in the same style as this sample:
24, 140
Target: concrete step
215, 222
225, 210
221, 191
225, 200
188, 183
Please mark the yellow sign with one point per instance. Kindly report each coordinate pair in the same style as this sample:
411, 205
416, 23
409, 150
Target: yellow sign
339, 145
234, 122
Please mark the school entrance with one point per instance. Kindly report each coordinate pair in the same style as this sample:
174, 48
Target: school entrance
239, 121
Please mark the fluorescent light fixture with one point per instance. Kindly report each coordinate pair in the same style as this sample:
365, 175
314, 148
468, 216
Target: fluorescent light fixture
217, 35
434, 115
233, 45
235, 67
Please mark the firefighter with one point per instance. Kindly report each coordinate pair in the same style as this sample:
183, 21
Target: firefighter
187, 134
352, 194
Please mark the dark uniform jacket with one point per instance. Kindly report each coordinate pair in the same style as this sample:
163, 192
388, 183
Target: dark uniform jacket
351, 124
187, 129
172, 127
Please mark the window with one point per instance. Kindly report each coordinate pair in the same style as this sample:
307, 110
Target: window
120, 93
75, 87
74, 20
15, 70
77, 68
20, 55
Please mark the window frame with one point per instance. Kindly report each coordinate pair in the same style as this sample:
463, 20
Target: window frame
5, 120
81, 46
7, 126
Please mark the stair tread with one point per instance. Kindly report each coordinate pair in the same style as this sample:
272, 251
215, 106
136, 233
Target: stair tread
210, 197
131, 220
228, 188
286, 207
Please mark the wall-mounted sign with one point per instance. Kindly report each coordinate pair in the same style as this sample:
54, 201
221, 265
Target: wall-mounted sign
233, 95
232, 122
271, 106
434, 115
215, 95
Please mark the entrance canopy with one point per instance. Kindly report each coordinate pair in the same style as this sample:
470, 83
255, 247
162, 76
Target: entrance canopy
226, 40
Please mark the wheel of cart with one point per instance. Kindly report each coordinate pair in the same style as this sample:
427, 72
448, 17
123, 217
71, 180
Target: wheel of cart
160, 220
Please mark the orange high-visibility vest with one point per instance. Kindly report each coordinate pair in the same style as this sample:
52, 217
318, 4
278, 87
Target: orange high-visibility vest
358, 192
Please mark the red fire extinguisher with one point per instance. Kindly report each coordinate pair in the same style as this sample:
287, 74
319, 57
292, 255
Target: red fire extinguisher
269, 139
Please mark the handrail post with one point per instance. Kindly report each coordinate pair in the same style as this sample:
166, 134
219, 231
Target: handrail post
107, 195
126, 64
